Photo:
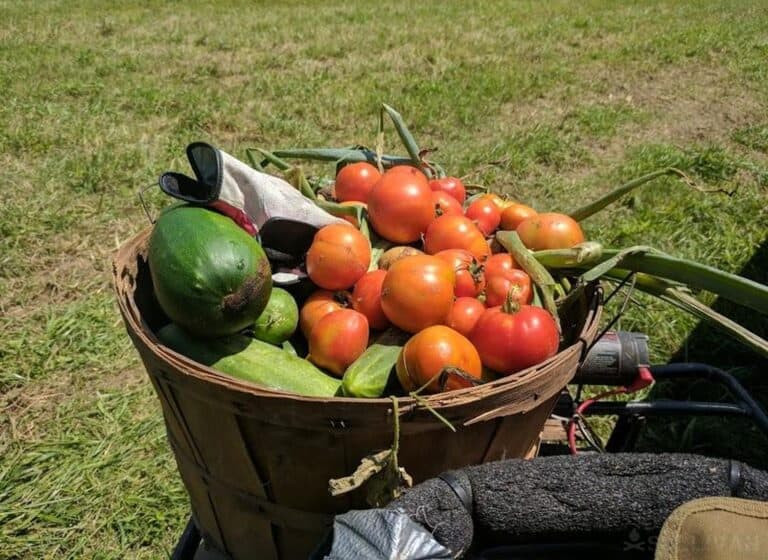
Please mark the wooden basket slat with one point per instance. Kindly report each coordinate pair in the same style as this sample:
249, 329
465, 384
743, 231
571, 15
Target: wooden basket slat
506, 441
226, 455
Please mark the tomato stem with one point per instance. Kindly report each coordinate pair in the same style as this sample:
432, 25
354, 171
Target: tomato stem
511, 304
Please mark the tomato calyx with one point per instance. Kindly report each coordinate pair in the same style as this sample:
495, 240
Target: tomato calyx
343, 298
512, 304
474, 267
475, 270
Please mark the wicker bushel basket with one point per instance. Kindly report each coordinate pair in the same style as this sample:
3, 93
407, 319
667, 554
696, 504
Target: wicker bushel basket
256, 463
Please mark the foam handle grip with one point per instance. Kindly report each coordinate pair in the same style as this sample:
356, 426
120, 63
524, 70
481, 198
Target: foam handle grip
589, 497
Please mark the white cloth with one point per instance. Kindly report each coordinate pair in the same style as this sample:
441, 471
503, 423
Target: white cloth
259, 195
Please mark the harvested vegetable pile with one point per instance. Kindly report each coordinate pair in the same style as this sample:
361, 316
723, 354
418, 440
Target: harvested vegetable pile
415, 274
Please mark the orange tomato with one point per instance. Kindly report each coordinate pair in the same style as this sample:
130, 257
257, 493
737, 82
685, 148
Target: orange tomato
435, 350
318, 305
366, 298
550, 231
338, 257
337, 340
400, 205
355, 181
455, 232
418, 292
514, 214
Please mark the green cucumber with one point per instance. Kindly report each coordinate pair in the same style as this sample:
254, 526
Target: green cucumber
252, 360
367, 377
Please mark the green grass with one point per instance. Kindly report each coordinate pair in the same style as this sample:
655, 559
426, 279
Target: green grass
566, 99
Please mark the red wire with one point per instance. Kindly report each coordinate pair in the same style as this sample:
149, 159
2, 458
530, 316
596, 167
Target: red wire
580, 410
643, 379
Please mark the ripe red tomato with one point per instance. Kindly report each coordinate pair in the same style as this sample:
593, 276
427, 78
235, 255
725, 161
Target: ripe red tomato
366, 298
470, 280
446, 204
455, 232
486, 214
513, 214
510, 341
514, 284
400, 205
550, 231
498, 264
464, 314
355, 181
418, 292
432, 350
450, 185
337, 340
318, 305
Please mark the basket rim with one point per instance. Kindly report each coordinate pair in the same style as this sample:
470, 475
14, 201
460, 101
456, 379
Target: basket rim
124, 268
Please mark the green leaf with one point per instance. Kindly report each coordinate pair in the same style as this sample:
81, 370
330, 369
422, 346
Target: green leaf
593, 207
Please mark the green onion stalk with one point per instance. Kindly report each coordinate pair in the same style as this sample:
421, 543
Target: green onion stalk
668, 278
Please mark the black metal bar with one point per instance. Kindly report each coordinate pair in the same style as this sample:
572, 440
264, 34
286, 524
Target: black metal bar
661, 408
682, 370
188, 543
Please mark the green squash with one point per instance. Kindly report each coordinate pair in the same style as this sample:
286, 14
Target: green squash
209, 275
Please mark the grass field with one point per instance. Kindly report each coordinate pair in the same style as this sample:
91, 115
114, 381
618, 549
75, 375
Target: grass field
552, 102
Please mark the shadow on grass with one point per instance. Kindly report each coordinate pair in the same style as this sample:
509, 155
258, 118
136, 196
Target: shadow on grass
732, 437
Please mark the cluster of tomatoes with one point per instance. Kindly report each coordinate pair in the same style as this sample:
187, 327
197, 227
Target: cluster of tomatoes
466, 302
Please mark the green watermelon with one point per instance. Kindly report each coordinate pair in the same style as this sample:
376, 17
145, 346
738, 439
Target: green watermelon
209, 275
